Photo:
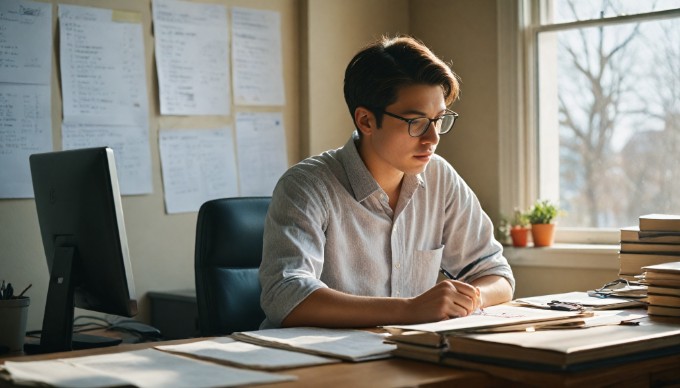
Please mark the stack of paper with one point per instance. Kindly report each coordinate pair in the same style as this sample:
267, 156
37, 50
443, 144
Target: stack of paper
583, 299
351, 345
142, 368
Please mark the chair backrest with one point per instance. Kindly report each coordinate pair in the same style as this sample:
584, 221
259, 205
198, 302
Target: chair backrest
228, 254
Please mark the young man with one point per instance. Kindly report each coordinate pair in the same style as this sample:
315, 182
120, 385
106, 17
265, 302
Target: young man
355, 237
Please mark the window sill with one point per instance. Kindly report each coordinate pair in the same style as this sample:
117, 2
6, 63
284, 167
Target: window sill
586, 256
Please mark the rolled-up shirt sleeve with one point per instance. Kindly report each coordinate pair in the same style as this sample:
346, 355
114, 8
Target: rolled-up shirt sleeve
293, 247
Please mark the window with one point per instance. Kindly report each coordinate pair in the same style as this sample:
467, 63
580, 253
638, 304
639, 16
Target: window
599, 129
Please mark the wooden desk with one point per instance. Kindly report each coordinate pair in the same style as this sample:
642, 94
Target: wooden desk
397, 372
393, 372
657, 372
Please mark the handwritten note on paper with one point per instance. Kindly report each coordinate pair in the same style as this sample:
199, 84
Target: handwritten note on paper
25, 129
261, 145
25, 42
130, 146
197, 165
192, 57
25, 70
256, 56
102, 67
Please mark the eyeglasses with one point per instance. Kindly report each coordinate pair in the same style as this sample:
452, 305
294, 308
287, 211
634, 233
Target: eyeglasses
418, 127
620, 288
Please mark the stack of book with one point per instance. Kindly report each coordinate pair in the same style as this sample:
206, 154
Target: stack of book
537, 339
655, 241
663, 289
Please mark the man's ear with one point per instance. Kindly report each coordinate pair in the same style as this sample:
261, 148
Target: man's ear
364, 120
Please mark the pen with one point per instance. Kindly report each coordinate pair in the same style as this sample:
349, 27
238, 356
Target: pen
446, 273
9, 291
25, 289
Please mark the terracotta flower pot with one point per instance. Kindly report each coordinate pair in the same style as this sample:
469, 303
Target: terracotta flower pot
543, 234
520, 236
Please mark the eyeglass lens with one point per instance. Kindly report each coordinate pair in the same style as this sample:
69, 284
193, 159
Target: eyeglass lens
442, 125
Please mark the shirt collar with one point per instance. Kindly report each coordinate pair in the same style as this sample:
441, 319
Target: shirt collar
362, 182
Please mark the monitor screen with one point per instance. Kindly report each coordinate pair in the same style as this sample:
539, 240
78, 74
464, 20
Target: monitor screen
83, 232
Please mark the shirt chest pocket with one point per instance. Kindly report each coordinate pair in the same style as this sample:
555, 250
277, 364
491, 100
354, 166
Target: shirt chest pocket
425, 269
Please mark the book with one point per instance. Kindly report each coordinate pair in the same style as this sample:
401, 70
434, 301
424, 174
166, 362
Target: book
632, 263
412, 340
419, 352
663, 310
564, 349
663, 300
651, 277
644, 247
660, 222
661, 290
672, 267
633, 234
662, 282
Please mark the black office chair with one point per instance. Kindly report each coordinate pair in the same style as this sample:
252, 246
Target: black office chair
228, 255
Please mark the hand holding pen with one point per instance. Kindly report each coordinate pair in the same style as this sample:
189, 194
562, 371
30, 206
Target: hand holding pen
448, 275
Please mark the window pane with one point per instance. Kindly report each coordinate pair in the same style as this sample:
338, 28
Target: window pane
609, 121
564, 11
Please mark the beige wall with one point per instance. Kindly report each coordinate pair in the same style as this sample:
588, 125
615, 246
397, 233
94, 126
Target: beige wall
161, 246
336, 31
464, 34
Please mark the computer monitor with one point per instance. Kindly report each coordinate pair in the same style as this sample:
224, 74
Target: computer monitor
81, 222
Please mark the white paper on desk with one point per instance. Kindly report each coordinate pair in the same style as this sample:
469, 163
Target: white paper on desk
492, 316
256, 56
581, 298
228, 350
151, 368
25, 129
130, 146
197, 165
26, 42
103, 75
352, 345
58, 373
192, 57
261, 150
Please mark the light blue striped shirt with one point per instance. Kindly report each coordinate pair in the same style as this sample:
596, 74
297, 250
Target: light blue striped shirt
330, 225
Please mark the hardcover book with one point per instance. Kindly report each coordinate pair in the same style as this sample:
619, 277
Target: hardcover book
633, 234
660, 222
565, 349
632, 263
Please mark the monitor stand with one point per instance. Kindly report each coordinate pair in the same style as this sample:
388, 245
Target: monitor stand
79, 341
57, 330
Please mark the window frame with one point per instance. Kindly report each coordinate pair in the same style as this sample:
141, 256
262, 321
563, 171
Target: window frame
519, 23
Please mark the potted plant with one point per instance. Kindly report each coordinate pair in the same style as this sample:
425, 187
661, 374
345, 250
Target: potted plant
519, 229
541, 216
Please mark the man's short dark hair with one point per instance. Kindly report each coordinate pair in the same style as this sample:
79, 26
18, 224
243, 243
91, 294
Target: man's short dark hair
376, 74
